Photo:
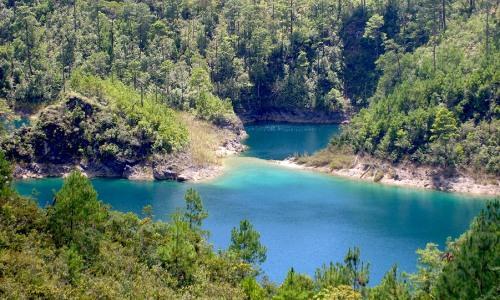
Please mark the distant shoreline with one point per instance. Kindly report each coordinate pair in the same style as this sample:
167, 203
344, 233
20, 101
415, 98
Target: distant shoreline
294, 116
408, 176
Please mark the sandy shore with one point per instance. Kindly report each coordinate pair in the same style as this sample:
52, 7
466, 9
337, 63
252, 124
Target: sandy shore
407, 176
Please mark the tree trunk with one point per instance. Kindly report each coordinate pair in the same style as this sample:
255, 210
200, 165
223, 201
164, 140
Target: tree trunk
443, 13
74, 15
142, 95
112, 54
487, 33
98, 26
434, 55
28, 47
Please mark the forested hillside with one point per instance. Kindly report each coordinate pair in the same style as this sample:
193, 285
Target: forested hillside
257, 54
436, 98
438, 105
262, 55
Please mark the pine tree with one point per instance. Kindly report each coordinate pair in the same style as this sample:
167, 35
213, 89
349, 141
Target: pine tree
195, 213
245, 243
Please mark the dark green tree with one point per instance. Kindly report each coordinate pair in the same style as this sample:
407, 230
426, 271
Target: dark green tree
5, 174
245, 243
295, 286
77, 216
391, 287
177, 253
195, 213
473, 268
358, 270
444, 132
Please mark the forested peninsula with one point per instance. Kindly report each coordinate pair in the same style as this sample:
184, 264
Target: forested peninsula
432, 121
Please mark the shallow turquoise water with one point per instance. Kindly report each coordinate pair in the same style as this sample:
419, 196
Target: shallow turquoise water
15, 124
305, 218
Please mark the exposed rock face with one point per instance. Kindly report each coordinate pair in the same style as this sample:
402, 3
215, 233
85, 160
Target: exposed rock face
294, 116
162, 172
79, 133
408, 175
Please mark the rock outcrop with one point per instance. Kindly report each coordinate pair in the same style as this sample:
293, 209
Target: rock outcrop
80, 133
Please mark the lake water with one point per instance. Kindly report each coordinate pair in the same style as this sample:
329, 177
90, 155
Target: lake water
279, 141
305, 218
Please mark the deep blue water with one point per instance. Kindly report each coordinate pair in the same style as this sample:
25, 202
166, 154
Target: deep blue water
279, 141
305, 218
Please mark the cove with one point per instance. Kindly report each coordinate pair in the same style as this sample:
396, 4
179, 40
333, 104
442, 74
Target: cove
305, 218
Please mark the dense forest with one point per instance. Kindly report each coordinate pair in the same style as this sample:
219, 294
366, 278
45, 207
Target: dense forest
260, 55
256, 54
423, 75
79, 248
437, 105
137, 66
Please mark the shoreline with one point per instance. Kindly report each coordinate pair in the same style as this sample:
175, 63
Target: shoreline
294, 117
149, 171
137, 173
418, 178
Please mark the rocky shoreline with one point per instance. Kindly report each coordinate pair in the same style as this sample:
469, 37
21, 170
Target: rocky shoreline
78, 133
174, 168
407, 176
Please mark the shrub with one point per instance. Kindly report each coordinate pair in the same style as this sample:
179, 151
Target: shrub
151, 116
379, 174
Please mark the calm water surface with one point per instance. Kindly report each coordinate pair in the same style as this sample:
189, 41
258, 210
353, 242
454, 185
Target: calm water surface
305, 218
279, 141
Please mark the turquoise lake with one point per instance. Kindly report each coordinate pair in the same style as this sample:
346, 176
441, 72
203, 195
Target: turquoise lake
305, 218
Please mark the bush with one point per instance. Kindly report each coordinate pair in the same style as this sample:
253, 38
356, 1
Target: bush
151, 116
379, 174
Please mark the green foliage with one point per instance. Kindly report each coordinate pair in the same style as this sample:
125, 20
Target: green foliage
140, 258
178, 253
205, 103
427, 101
472, 270
252, 53
429, 267
75, 264
332, 275
338, 280
443, 132
357, 269
444, 127
245, 243
341, 292
391, 287
5, 174
76, 217
253, 290
134, 258
295, 286
149, 115
195, 212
